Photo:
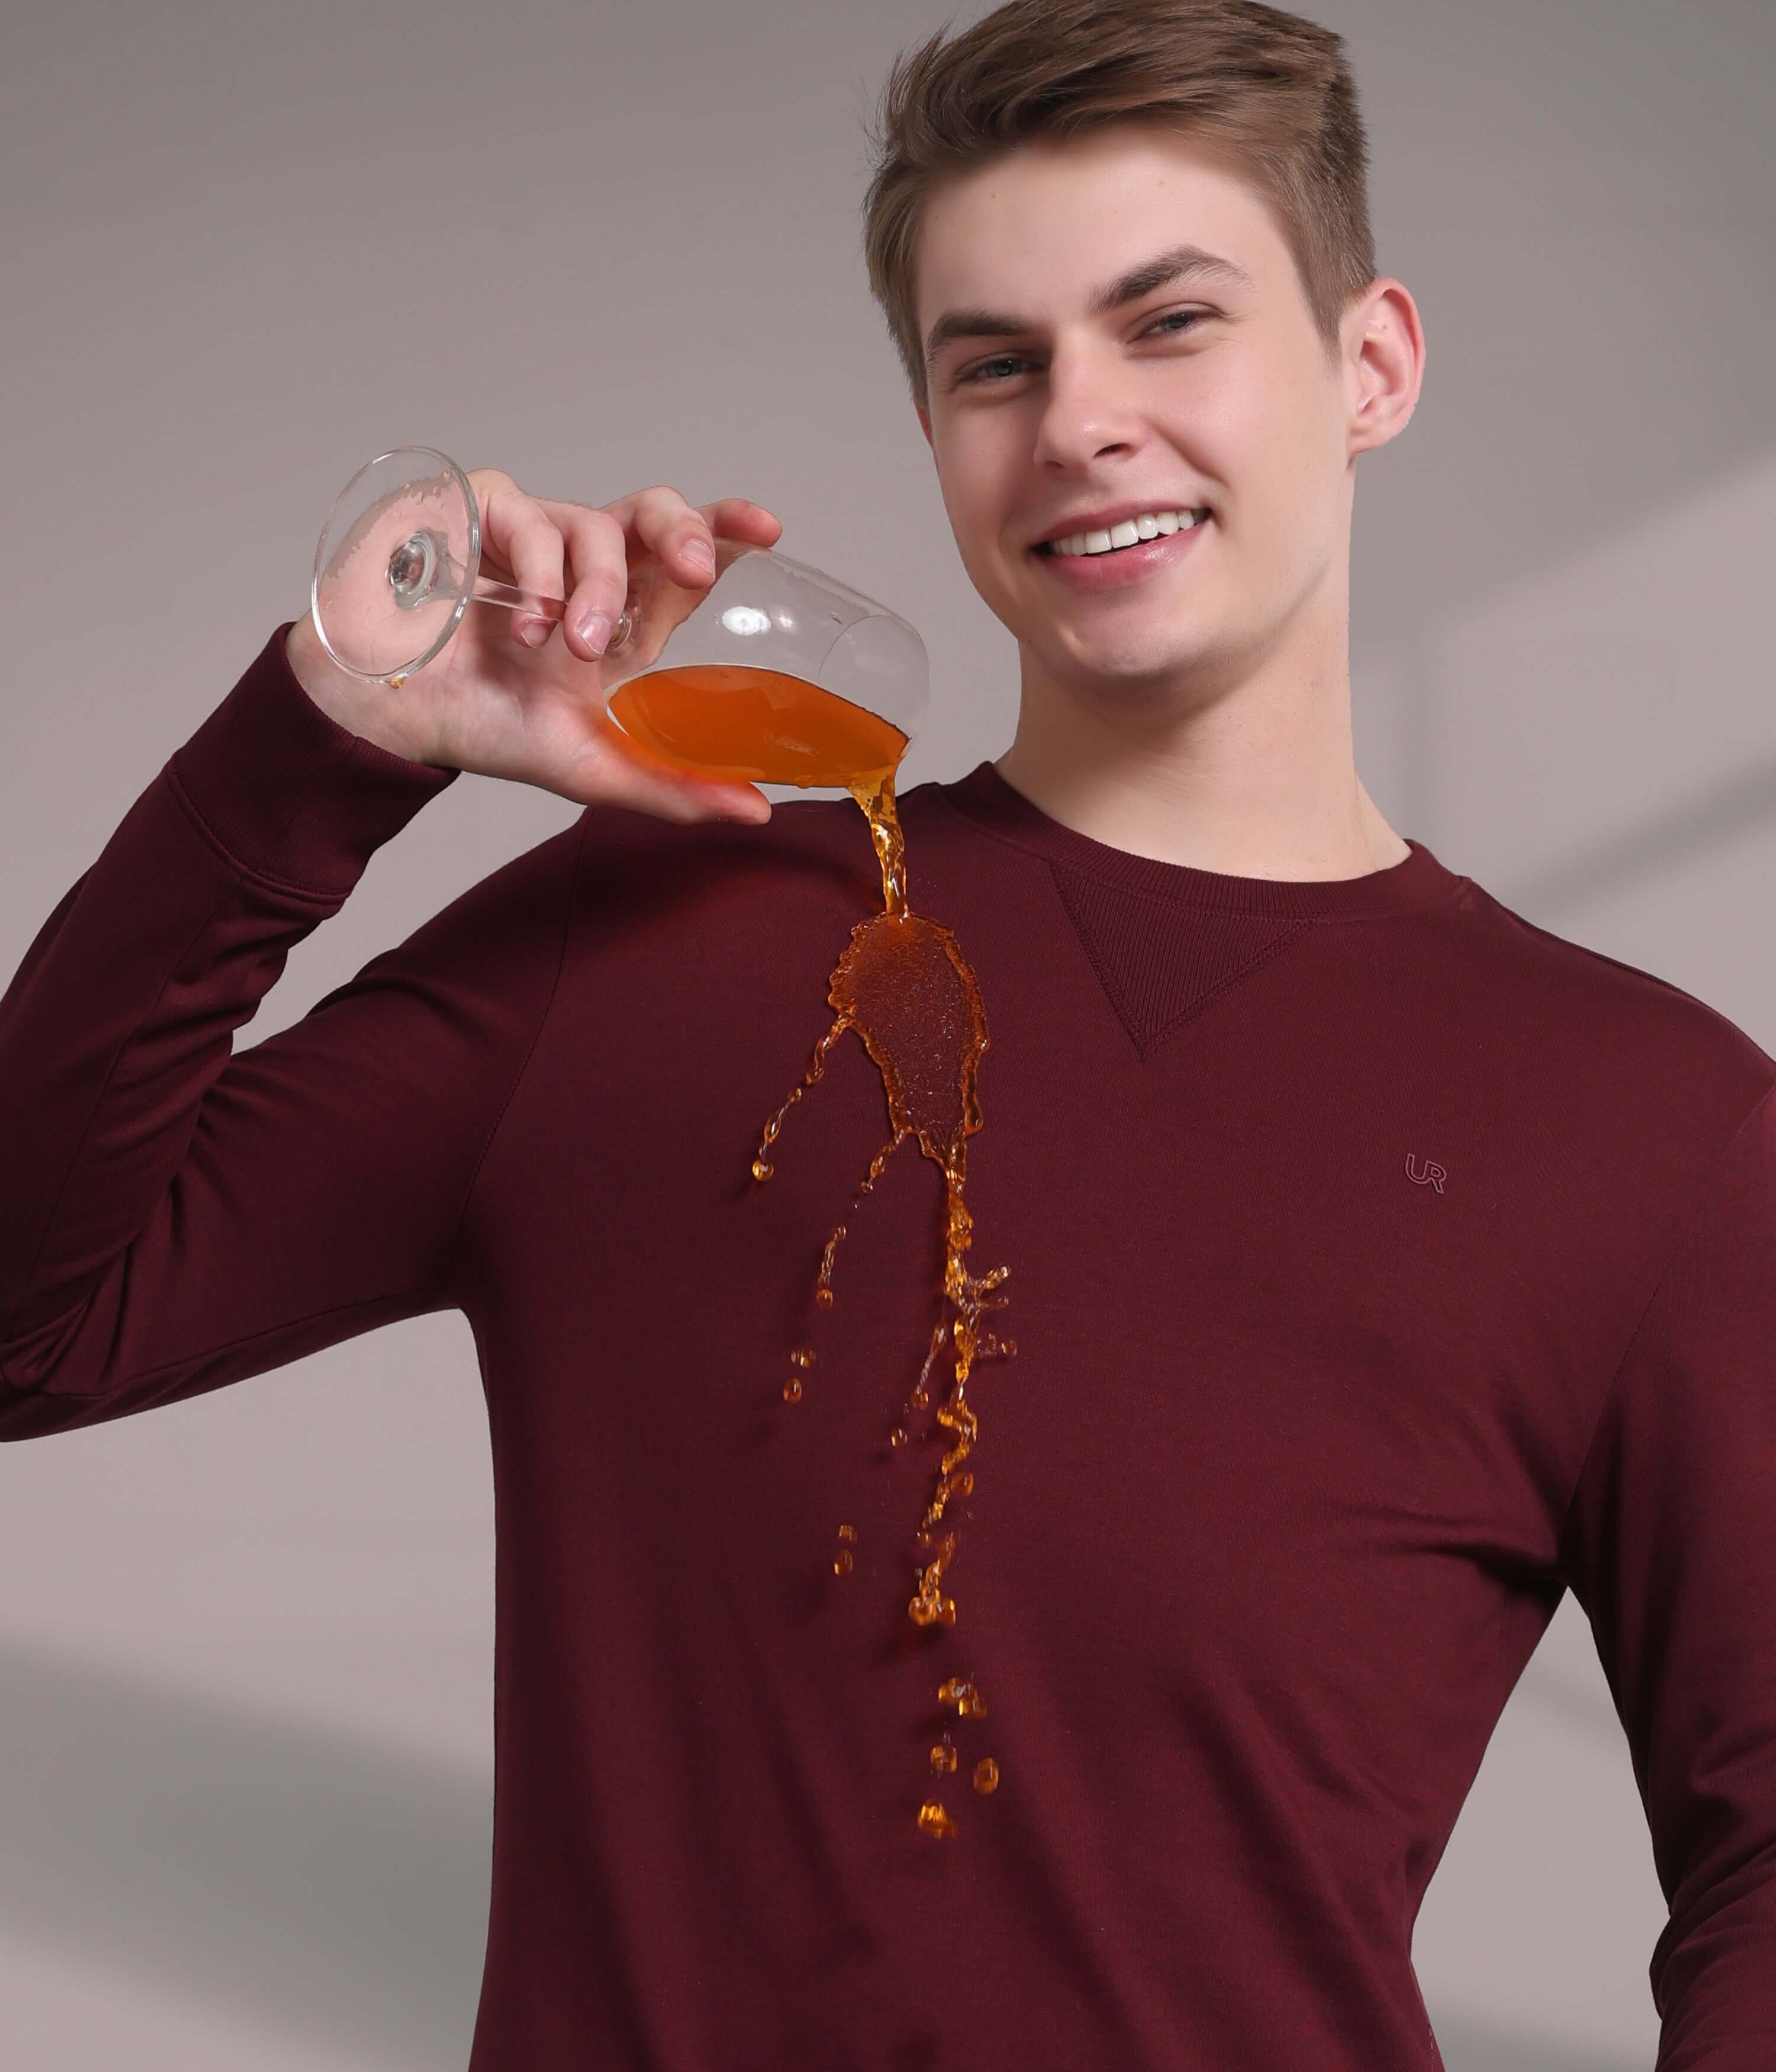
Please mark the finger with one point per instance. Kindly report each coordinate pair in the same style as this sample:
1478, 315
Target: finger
604, 766
484, 481
660, 521
598, 576
526, 539
738, 518
653, 785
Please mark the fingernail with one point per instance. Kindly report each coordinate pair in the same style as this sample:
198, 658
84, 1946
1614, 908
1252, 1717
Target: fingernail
595, 630
701, 555
533, 632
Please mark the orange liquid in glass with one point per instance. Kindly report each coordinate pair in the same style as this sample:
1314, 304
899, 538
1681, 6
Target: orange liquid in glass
756, 725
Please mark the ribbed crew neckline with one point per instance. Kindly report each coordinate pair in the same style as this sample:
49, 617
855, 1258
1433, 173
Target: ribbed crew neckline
1416, 881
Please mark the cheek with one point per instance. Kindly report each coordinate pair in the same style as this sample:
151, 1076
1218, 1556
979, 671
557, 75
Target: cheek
1222, 424
1265, 434
975, 483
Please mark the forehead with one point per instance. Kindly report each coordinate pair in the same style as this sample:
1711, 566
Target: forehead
1041, 228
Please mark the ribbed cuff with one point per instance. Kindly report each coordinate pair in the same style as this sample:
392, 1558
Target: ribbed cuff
287, 791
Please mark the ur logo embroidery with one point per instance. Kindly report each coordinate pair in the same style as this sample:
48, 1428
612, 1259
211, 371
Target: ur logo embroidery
1434, 1174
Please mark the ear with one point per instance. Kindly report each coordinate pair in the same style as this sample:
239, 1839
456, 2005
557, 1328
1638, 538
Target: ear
924, 421
1384, 352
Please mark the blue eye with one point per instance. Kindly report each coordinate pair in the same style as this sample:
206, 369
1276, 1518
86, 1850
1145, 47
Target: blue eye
975, 373
1173, 323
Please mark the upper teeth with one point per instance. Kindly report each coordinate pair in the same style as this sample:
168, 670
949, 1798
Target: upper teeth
1149, 526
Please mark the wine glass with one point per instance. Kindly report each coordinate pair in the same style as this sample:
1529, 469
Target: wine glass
774, 674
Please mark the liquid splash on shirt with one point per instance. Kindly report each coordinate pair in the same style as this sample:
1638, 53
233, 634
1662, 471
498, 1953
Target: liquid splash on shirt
904, 985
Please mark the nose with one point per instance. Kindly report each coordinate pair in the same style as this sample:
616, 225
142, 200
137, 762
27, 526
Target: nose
1089, 413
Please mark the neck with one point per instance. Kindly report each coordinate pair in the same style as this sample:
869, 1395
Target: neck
1253, 775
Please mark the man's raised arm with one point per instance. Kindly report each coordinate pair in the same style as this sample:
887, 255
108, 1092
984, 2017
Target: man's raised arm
172, 1216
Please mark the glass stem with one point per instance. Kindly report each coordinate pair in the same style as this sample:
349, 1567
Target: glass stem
489, 590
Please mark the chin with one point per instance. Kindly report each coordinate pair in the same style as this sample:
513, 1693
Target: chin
1136, 661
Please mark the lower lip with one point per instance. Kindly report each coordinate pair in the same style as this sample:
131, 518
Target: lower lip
1088, 574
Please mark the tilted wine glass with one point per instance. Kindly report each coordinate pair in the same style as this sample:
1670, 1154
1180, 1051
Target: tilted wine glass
774, 674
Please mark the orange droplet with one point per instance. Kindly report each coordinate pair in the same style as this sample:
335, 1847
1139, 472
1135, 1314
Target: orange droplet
761, 1170
802, 1357
934, 1820
986, 1775
897, 1437
943, 1758
957, 1690
848, 1532
842, 1565
824, 1297
793, 1389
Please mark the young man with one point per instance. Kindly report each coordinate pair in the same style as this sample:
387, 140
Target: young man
1382, 1266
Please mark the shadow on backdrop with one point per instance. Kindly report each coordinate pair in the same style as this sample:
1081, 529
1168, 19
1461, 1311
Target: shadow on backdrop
324, 1885
1471, 2046
1645, 852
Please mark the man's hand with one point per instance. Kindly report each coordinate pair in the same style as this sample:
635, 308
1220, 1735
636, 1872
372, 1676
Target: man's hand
512, 696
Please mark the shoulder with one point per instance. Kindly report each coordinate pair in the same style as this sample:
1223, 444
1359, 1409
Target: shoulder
629, 866
614, 840
1611, 1025
813, 858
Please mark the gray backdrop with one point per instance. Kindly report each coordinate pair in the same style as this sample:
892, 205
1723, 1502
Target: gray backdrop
245, 1670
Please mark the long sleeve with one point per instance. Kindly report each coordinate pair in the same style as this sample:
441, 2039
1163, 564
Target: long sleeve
1672, 1549
173, 1216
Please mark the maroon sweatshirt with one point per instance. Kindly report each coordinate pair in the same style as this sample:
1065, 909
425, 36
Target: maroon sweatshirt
1382, 1266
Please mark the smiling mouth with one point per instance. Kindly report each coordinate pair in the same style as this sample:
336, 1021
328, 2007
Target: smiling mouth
1129, 532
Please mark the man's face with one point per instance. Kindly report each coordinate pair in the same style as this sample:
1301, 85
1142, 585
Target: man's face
1210, 394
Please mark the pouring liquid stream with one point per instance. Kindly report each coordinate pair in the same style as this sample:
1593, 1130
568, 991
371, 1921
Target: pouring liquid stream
903, 984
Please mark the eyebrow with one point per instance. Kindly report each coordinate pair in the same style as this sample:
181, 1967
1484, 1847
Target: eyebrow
1183, 261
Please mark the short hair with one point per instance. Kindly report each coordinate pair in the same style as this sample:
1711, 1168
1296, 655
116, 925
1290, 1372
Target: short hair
1269, 95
